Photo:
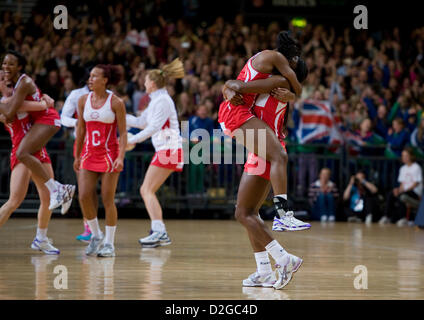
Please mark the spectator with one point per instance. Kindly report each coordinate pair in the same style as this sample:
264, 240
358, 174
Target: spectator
360, 199
417, 139
397, 138
369, 138
322, 196
411, 186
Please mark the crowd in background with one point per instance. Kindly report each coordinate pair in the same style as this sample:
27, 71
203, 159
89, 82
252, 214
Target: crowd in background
373, 81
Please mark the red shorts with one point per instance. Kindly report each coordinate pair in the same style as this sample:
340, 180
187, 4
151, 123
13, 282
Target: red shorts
48, 117
169, 159
257, 166
99, 162
41, 155
233, 117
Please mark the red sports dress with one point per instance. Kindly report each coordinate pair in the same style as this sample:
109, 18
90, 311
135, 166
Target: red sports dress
101, 147
233, 117
17, 130
272, 112
49, 116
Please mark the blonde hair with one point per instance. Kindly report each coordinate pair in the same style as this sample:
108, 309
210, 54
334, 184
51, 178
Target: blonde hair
173, 70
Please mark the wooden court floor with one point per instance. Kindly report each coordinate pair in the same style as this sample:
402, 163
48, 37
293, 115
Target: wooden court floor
208, 259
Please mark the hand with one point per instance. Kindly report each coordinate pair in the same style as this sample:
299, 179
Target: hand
118, 165
77, 164
283, 94
235, 98
49, 101
352, 180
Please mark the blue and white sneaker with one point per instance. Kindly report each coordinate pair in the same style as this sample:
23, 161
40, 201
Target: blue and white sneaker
155, 239
45, 246
285, 273
289, 223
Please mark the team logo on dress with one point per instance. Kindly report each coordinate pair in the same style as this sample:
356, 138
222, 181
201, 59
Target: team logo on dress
94, 115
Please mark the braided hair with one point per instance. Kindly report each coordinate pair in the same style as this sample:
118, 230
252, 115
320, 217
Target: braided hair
288, 46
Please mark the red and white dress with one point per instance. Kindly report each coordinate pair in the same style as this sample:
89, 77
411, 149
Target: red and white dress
17, 130
101, 147
49, 116
160, 121
233, 117
272, 112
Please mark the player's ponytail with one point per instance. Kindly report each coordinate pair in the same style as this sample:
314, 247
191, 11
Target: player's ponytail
288, 46
173, 70
301, 70
111, 72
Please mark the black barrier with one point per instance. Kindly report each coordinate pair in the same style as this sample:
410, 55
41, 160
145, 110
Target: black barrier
214, 186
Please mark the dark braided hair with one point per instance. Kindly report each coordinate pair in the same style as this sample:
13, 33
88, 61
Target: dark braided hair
288, 46
111, 72
301, 70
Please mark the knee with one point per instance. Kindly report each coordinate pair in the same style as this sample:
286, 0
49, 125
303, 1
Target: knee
279, 156
145, 191
108, 200
242, 214
21, 155
84, 196
14, 203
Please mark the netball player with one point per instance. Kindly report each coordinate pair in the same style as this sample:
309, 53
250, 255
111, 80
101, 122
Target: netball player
20, 174
99, 154
273, 112
44, 126
159, 121
239, 118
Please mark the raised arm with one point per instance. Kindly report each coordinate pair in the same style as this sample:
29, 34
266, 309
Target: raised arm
118, 107
80, 135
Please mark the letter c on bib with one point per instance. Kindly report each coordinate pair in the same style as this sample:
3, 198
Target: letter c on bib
94, 134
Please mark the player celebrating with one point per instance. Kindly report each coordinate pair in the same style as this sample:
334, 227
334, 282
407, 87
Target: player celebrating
20, 175
45, 124
159, 121
100, 155
285, 60
256, 177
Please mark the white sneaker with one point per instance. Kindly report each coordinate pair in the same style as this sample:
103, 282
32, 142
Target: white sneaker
402, 222
384, 220
94, 245
331, 218
368, 219
61, 195
45, 246
66, 205
323, 218
256, 280
106, 250
155, 239
285, 272
290, 223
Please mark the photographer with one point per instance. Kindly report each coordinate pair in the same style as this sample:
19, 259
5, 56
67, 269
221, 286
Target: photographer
360, 199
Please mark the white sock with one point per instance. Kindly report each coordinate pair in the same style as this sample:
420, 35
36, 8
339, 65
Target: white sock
51, 185
110, 235
277, 252
41, 234
95, 228
158, 225
263, 264
284, 196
